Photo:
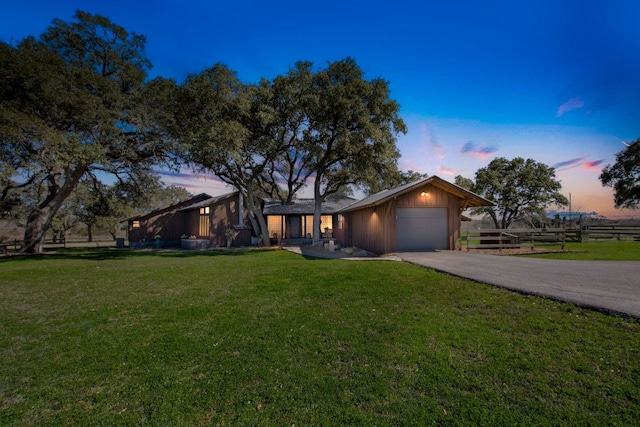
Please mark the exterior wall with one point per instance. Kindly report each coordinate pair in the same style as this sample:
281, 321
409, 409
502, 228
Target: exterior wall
375, 229
224, 215
172, 224
167, 225
339, 229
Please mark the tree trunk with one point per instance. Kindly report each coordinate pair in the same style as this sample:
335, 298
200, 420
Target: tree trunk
251, 205
89, 233
39, 220
317, 211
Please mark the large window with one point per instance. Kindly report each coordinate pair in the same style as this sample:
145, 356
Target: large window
326, 221
203, 230
276, 226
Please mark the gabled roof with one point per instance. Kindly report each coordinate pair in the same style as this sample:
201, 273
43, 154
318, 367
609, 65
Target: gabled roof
306, 206
208, 202
187, 202
469, 199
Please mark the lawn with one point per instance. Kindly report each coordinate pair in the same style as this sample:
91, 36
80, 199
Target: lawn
609, 250
105, 337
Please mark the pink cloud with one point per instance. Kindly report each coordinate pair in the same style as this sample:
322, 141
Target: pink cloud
568, 164
445, 171
594, 165
571, 104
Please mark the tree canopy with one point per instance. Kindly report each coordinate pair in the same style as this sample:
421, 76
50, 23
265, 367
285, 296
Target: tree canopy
75, 105
73, 102
624, 177
518, 187
331, 126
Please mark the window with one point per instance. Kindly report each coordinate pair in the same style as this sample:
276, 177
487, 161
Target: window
135, 224
275, 224
203, 229
308, 225
326, 221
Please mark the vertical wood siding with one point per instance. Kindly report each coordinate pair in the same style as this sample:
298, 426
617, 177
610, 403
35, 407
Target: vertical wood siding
375, 229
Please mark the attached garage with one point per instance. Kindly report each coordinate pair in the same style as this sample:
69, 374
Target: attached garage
422, 229
424, 215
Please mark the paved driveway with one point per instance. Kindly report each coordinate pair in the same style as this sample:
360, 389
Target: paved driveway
606, 285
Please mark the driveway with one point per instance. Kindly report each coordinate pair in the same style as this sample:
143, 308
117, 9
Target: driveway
612, 286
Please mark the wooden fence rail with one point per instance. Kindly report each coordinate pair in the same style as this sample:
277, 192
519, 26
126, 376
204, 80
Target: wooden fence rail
518, 238
17, 245
611, 231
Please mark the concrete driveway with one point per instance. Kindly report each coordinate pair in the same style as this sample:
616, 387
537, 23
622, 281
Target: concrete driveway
612, 286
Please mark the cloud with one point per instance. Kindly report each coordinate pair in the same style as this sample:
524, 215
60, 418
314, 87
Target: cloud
431, 141
594, 165
571, 104
445, 171
567, 164
195, 182
579, 162
481, 152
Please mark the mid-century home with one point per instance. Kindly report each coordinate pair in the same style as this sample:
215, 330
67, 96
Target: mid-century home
424, 215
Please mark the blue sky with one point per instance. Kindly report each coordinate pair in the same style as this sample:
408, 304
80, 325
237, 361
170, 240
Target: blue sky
556, 81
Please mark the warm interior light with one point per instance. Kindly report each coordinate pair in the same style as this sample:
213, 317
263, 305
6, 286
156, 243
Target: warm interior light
424, 194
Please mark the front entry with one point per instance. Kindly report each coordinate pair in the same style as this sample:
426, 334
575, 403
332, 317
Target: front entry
422, 229
293, 227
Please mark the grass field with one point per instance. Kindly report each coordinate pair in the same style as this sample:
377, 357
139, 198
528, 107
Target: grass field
105, 337
610, 250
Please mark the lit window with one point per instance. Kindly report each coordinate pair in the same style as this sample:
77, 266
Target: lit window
135, 224
326, 222
203, 230
275, 224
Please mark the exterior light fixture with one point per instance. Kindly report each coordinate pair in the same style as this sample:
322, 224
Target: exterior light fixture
424, 194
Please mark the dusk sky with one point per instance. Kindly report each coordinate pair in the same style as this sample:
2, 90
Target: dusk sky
556, 81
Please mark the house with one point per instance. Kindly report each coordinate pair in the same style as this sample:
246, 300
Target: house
424, 215
420, 216
293, 221
200, 221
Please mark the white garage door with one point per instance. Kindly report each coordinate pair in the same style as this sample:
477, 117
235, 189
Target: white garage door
422, 229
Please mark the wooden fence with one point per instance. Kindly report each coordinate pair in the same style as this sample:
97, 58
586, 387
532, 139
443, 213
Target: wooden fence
16, 245
519, 238
618, 232
523, 238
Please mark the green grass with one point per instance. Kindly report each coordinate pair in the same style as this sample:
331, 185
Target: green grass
99, 337
610, 250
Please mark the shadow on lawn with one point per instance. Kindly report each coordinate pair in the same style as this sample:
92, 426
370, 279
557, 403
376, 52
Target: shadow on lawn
110, 254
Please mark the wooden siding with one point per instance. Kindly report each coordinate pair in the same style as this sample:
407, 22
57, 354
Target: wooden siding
223, 215
172, 224
374, 228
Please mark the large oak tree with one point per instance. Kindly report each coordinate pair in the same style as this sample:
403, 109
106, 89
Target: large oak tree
350, 138
72, 102
518, 187
222, 124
